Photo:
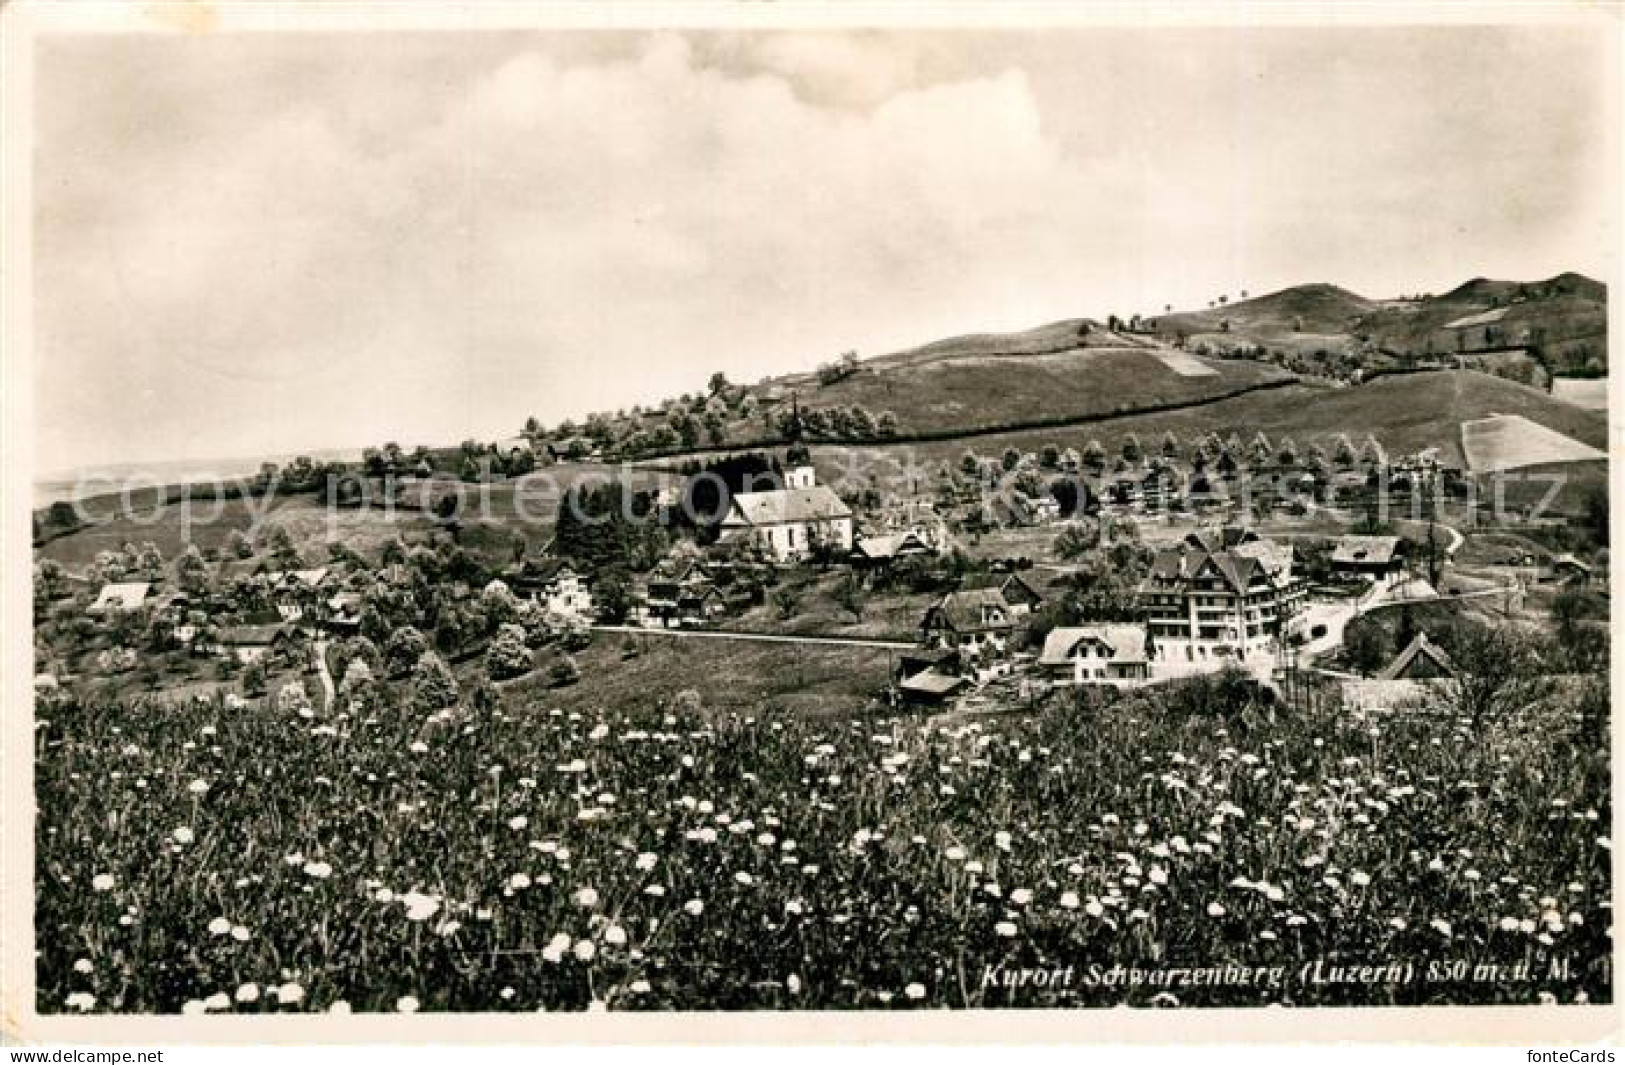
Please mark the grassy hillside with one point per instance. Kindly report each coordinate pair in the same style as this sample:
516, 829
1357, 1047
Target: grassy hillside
970, 388
1404, 412
1563, 318
1314, 308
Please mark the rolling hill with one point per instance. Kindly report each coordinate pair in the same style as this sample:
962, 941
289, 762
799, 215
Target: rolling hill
1558, 323
1404, 412
979, 383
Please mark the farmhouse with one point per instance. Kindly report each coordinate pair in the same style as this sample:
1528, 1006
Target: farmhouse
566, 593
789, 522
256, 643
1017, 594
977, 620
124, 595
296, 591
884, 550
1097, 654
1219, 595
685, 594
1367, 556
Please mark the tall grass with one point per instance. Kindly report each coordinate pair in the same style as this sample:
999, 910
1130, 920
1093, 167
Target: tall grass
196, 858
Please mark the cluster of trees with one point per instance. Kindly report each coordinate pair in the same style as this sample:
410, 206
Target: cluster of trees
831, 372
852, 424
1225, 455
392, 458
129, 563
687, 421
710, 486
1109, 561
602, 526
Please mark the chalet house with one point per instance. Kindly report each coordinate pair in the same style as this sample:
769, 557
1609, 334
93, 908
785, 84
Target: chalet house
684, 595
1114, 655
1377, 557
568, 594
122, 595
528, 578
1018, 595
789, 522
878, 551
1422, 660
1220, 595
296, 593
257, 643
975, 621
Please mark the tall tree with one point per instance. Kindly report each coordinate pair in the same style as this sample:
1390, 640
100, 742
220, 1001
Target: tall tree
434, 687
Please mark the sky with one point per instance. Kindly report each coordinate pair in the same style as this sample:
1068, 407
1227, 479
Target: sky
261, 243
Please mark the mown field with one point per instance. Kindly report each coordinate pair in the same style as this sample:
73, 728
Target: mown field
981, 391
550, 853
1405, 413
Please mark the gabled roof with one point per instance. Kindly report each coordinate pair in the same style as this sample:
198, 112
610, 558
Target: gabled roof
964, 611
1215, 540
1127, 643
308, 577
817, 503
123, 595
252, 635
1012, 586
1365, 550
1420, 648
1238, 565
891, 545
930, 682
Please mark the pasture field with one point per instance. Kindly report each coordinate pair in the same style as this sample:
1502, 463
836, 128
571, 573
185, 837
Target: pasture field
491, 511
1405, 413
887, 615
547, 853
986, 390
1513, 442
171, 526
741, 676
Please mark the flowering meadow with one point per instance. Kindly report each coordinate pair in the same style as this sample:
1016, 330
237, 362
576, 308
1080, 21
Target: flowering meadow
198, 858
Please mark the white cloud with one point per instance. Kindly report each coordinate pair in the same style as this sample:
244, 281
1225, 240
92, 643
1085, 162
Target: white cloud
431, 240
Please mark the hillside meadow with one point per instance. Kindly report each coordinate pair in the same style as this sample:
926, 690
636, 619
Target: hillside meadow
1405, 413
549, 852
